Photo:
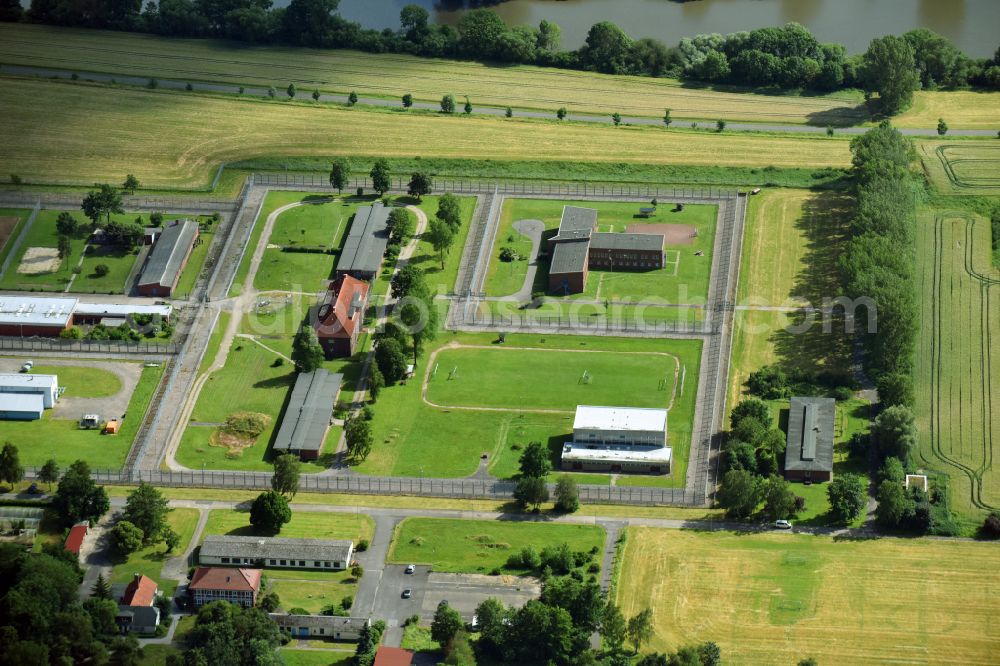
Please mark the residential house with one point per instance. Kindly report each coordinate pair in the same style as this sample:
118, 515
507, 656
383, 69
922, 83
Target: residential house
238, 586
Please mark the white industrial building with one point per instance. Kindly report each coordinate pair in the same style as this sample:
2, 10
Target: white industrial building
23, 397
618, 439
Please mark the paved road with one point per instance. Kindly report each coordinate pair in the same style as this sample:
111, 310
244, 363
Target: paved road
259, 91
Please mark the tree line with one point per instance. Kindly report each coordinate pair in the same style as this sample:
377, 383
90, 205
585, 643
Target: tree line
786, 57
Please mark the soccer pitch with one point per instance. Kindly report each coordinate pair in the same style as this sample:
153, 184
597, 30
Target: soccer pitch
551, 379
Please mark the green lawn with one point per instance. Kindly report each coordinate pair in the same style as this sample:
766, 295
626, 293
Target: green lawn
281, 318
479, 546
63, 440
119, 262
194, 265
82, 382
550, 379
149, 561
304, 524
313, 593
214, 341
273, 201
293, 271
438, 279
43, 234
322, 223
419, 639
156, 655
683, 280
414, 439
292, 657
6, 243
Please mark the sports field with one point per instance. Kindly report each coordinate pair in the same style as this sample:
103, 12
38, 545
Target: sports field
684, 278
548, 379
791, 243
413, 438
479, 546
967, 167
957, 361
392, 75
165, 138
779, 598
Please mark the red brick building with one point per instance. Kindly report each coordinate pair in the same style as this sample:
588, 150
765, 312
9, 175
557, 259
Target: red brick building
237, 586
340, 316
168, 258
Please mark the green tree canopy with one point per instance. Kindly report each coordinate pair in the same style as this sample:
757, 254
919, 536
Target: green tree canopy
102, 203
447, 622
848, 495
420, 184
890, 70
535, 460
739, 494
269, 512
78, 497
11, 469
531, 491
381, 177
306, 350
339, 171
126, 538
567, 494
147, 509
285, 480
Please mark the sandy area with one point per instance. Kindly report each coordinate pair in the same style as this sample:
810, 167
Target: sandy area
39, 260
673, 234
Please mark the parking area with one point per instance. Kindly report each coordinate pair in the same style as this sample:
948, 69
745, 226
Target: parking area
463, 592
76, 402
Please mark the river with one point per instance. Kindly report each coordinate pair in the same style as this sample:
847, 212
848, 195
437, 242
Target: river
973, 25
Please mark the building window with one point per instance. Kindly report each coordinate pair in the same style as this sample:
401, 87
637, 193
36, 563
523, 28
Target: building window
321, 630
302, 563
225, 560
317, 564
284, 563
271, 562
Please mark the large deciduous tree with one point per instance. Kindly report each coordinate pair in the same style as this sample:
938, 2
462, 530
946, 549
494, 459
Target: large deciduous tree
889, 69
285, 480
535, 460
78, 497
147, 509
740, 493
11, 469
848, 495
420, 184
358, 437
339, 170
306, 350
102, 203
269, 512
381, 179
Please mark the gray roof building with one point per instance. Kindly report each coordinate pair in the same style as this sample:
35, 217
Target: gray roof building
309, 411
576, 224
607, 241
348, 624
263, 548
366, 242
167, 258
810, 435
569, 257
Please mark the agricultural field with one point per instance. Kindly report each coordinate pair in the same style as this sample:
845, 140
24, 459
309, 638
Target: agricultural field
63, 440
150, 560
479, 546
303, 525
414, 438
967, 167
162, 138
684, 278
965, 109
957, 363
392, 75
779, 598
791, 244
550, 380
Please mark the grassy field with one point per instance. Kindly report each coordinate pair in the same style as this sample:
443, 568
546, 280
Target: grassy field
293, 271
479, 546
553, 380
438, 279
414, 439
965, 109
303, 525
967, 167
392, 75
163, 137
196, 261
791, 244
150, 560
119, 261
63, 440
688, 285
779, 598
293, 657
82, 382
957, 366
298, 589
7, 232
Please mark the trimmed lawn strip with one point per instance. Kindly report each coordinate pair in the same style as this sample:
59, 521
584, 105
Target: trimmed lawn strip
212, 349
479, 546
194, 265
303, 525
149, 561
440, 280
81, 381
772, 598
293, 657
63, 440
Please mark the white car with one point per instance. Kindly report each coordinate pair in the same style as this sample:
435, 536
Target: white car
782, 525
410, 568
28, 365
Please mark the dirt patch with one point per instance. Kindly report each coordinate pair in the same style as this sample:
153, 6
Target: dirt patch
7, 224
234, 443
39, 260
673, 234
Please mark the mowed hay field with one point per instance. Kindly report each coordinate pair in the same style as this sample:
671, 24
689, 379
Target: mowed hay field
94, 133
778, 598
958, 359
965, 167
791, 244
961, 109
392, 75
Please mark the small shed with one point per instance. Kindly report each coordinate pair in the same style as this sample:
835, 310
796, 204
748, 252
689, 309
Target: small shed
90, 421
648, 211
74, 540
111, 427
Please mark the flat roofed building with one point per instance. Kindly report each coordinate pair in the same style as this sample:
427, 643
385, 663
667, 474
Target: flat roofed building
576, 223
167, 259
46, 386
91, 313
340, 316
809, 450
237, 586
25, 316
21, 406
618, 439
277, 552
366, 241
307, 417
323, 626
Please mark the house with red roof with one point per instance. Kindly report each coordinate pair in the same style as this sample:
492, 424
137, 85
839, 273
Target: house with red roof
74, 540
137, 611
238, 586
393, 656
340, 316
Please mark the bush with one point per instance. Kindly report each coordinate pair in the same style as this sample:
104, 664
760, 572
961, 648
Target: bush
509, 254
843, 393
100, 270
991, 526
251, 424
362, 546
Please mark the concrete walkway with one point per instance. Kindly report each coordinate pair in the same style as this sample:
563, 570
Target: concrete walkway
533, 230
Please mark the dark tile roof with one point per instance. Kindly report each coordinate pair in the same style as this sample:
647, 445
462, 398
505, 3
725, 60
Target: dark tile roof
606, 241
569, 257
576, 224
310, 408
225, 578
258, 548
326, 621
366, 241
171, 249
810, 434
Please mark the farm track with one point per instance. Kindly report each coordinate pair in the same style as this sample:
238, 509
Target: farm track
942, 389
960, 183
